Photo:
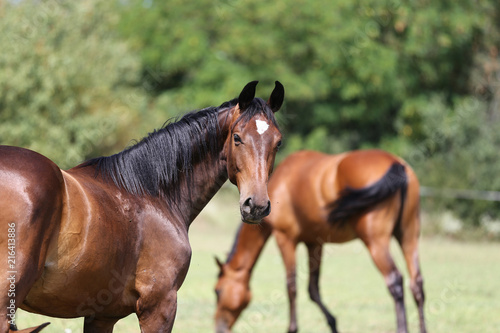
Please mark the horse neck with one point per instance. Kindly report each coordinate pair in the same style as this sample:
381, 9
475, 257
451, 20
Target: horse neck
248, 245
207, 176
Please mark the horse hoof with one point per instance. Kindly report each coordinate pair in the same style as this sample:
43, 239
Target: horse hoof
30, 330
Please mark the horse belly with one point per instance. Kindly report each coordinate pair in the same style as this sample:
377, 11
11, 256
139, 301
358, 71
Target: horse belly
339, 234
321, 231
82, 279
70, 294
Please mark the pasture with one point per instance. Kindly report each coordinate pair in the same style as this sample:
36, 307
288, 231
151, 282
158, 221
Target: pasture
462, 285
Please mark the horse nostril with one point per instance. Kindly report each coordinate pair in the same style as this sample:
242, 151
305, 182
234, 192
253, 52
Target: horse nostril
267, 210
247, 205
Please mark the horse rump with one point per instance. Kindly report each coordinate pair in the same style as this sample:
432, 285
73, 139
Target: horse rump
352, 201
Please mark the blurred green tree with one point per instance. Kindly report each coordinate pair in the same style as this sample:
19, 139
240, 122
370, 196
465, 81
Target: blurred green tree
351, 67
367, 73
66, 79
357, 74
460, 152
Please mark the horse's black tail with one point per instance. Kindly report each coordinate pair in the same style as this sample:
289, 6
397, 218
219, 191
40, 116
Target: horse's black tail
353, 202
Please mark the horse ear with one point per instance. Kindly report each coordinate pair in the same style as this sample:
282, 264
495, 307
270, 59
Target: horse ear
218, 262
247, 95
277, 97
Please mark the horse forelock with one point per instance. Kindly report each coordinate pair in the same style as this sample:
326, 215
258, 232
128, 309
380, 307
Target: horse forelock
258, 106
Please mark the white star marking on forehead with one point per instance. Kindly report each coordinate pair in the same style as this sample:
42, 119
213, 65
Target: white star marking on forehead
262, 126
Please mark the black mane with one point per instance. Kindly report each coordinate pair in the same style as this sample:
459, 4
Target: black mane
155, 164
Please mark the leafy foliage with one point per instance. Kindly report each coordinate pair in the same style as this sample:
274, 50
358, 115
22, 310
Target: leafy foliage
459, 152
65, 79
391, 74
346, 65
418, 78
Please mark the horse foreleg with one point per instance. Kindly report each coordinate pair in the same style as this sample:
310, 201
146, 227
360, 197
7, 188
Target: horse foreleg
287, 248
315, 253
157, 316
99, 325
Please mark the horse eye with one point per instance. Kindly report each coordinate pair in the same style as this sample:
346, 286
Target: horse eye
278, 146
237, 139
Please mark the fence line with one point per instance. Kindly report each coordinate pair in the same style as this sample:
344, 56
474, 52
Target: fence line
459, 194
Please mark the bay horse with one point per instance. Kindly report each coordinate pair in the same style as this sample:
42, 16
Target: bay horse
109, 237
317, 199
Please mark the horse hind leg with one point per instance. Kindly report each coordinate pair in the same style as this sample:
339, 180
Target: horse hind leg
24, 262
315, 253
35, 329
14, 289
379, 251
30, 210
409, 245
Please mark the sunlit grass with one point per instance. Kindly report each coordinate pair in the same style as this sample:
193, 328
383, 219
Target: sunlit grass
462, 284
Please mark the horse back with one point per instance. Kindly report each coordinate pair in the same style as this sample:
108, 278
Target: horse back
306, 185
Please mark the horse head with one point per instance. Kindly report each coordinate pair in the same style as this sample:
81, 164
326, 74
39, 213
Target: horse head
251, 146
233, 296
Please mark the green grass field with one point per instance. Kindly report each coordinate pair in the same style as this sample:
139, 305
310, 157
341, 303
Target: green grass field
462, 285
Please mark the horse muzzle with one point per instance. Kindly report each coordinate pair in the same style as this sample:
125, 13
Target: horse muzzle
222, 327
253, 211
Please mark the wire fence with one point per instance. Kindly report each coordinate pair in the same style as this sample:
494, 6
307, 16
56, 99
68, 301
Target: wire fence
459, 194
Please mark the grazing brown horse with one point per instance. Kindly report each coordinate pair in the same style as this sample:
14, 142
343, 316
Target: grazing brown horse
318, 198
110, 236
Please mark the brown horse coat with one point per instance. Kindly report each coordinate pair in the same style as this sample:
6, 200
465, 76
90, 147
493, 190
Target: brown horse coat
110, 237
317, 199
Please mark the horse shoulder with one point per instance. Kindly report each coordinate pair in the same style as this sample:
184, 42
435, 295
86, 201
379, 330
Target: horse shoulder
163, 262
300, 189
